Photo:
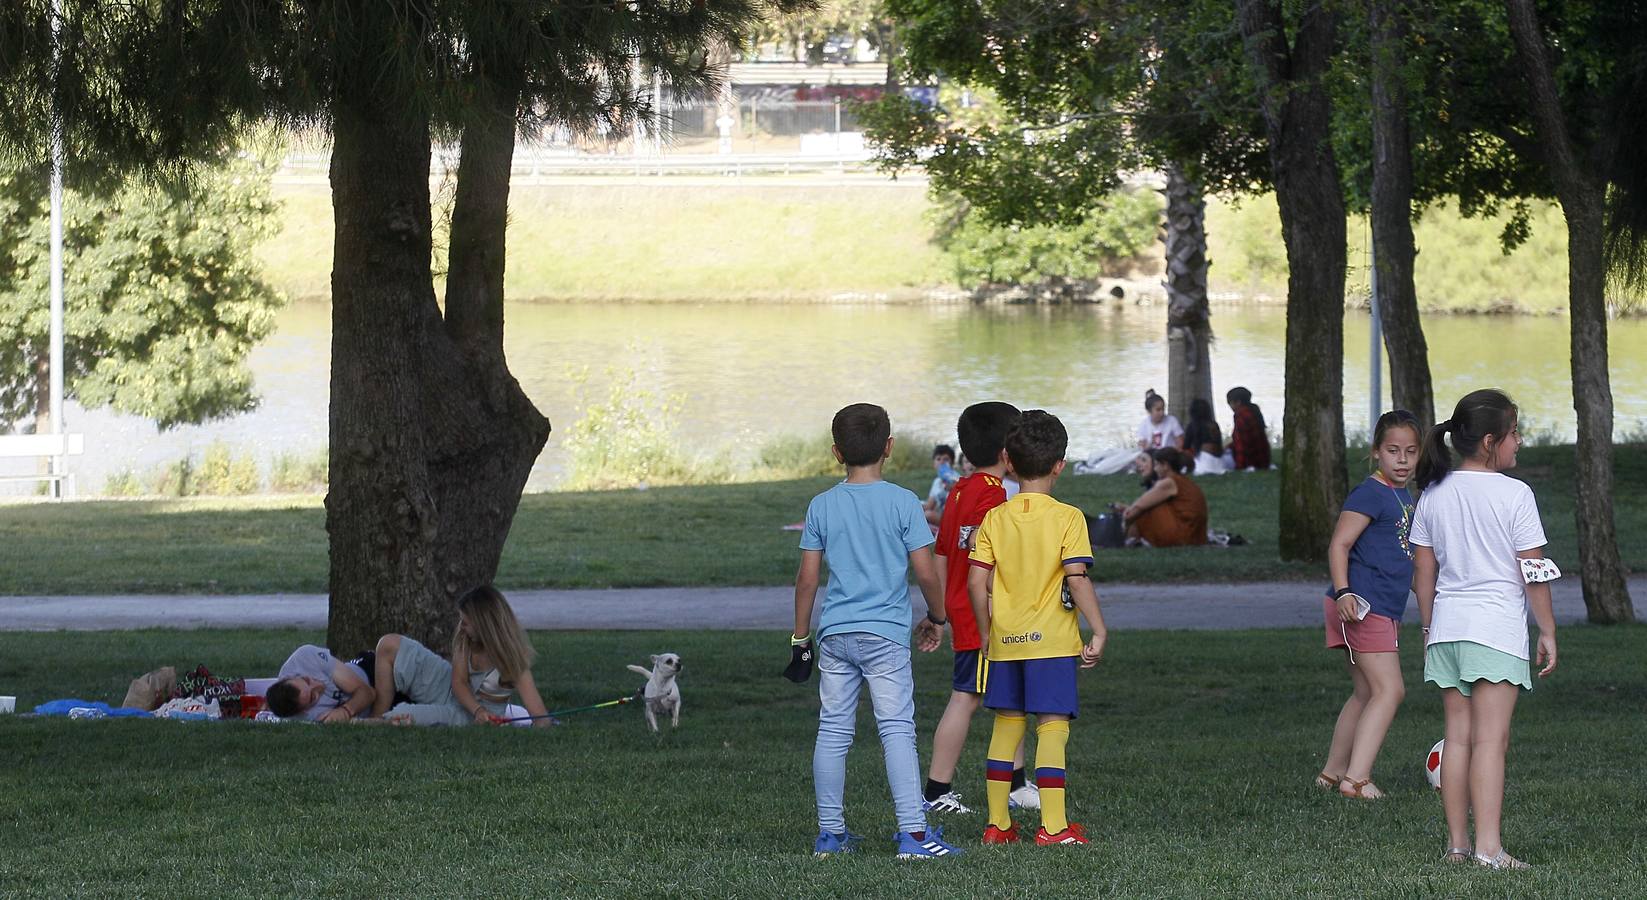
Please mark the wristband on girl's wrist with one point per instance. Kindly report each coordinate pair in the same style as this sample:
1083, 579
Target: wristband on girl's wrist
938, 622
797, 641
1340, 592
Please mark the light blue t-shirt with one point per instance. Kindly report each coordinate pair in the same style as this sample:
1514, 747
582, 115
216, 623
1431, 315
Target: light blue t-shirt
866, 533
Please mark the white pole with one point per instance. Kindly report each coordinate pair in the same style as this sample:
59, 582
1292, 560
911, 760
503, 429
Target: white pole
1375, 351
58, 463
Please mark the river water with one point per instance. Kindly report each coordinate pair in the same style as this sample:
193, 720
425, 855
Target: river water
745, 373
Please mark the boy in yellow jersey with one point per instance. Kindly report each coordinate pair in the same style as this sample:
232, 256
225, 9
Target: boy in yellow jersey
1028, 578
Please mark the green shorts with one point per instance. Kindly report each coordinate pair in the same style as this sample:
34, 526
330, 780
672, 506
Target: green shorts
1460, 664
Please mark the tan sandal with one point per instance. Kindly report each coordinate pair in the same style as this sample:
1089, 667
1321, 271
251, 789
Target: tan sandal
1458, 855
1328, 782
1358, 789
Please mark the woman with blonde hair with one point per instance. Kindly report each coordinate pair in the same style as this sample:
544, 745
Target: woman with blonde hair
491, 661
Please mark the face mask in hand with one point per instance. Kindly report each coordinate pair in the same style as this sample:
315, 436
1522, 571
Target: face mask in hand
801, 656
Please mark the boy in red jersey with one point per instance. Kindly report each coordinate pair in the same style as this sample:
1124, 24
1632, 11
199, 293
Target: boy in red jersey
982, 429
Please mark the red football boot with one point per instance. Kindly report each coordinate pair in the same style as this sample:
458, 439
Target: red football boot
1074, 834
993, 835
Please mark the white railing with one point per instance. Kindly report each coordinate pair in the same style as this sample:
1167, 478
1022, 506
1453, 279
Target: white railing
536, 163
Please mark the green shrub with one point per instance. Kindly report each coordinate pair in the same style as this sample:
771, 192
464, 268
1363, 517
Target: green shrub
123, 483
225, 474
628, 439
1113, 239
174, 479
294, 474
793, 456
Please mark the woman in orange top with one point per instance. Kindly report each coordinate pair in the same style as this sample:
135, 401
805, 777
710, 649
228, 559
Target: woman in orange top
1173, 511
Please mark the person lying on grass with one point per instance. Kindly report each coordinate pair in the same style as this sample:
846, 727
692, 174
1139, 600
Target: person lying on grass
491, 660
319, 687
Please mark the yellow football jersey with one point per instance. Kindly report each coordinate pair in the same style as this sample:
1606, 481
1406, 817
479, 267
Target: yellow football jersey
1027, 541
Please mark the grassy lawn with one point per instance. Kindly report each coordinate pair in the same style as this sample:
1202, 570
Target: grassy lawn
1190, 765
789, 239
677, 536
753, 240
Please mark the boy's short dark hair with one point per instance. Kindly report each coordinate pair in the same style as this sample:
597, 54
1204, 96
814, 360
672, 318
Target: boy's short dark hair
1036, 443
861, 431
983, 428
282, 698
943, 450
1239, 395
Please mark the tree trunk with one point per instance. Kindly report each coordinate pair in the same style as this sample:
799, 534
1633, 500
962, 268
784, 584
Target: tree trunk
480, 469
1298, 121
430, 438
888, 46
1606, 595
1392, 226
1189, 328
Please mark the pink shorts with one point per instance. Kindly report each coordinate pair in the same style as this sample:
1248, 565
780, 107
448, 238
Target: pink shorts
1374, 634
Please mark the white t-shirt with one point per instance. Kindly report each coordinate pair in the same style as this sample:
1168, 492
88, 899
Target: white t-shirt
1476, 522
317, 663
1166, 434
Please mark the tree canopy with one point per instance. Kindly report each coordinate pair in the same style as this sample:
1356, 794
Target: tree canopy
164, 295
430, 436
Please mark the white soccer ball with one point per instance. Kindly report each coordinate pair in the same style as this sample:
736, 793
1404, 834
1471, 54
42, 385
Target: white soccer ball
1432, 765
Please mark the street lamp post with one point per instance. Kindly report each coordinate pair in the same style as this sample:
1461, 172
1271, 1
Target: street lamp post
58, 462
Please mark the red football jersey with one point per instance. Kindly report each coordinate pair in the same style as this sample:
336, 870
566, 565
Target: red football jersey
969, 499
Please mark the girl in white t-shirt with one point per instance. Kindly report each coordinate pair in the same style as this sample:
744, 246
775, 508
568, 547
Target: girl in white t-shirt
1158, 429
1472, 527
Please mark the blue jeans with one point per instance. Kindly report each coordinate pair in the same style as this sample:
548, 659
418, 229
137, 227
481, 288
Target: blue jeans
847, 662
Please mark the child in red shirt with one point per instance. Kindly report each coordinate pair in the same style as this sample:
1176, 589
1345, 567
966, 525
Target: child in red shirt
982, 429
1249, 440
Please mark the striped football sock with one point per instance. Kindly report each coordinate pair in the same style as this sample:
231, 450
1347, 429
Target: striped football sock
1050, 738
1009, 730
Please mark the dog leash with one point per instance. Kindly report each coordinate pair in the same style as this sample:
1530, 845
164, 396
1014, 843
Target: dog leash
556, 713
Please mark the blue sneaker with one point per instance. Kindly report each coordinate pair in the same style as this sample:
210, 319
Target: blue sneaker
828, 845
931, 848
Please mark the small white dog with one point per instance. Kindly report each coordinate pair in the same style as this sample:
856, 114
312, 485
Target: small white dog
663, 694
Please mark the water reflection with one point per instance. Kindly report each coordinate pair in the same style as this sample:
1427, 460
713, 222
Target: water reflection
746, 373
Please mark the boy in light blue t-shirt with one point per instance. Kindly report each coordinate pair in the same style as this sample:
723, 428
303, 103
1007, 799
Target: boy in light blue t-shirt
872, 533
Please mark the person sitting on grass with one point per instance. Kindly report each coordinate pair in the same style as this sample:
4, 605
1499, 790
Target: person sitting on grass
1249, 439
1158, 429
491, 660
872, 533
1172, 512
319, 687
1028, 578
1204, 440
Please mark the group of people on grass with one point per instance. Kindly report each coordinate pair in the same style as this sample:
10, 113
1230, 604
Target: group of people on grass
403, 682
1015, 577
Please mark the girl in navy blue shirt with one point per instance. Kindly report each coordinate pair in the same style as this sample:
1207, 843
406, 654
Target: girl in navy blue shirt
1372, 570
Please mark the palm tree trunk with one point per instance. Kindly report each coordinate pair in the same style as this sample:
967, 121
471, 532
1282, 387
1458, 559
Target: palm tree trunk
1189, 328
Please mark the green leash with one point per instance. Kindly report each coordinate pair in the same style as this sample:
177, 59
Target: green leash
556, 713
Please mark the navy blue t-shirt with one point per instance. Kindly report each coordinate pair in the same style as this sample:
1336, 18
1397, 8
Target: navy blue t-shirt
1381, 562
